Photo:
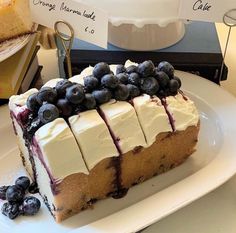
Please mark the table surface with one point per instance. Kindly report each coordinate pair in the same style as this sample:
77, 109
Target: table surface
213, 213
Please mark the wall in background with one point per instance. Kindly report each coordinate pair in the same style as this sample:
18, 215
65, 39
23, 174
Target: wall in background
222, 30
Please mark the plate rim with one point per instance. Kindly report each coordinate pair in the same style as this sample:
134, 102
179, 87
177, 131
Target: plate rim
149, 214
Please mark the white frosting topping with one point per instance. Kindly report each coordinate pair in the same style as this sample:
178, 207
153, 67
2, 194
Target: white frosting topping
130, 63
80, 78
152, 117
123, 122
17, 102
52, 83
59, 149
93, 137
184, 112
77, 79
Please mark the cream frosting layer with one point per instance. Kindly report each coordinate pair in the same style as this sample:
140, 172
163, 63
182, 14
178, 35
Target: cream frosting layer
52, 83
59, 149
123, 122
183, 111
152, 117
93, 137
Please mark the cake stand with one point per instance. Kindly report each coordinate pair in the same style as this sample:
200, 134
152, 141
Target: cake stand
142, 25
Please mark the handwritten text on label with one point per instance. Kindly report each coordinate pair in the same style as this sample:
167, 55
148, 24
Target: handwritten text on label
205, 10
90, 24
199, 5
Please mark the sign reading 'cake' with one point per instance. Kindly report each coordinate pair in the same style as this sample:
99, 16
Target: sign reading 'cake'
90, 24
208, 10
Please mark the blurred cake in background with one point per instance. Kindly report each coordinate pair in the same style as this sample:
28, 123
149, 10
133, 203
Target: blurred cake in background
15, 19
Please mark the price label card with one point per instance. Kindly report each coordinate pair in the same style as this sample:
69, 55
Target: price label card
89, 24
206, 10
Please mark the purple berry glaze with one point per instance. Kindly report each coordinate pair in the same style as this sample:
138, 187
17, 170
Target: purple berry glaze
116, 163
184, 97
171, 119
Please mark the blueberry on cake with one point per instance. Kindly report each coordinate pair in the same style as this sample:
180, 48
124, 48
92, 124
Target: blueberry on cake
103, 131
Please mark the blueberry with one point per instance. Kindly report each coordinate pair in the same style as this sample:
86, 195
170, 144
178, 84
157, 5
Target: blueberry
75, 94
47, 94
32, 103
14, 194
61, 87
133, 90
23, 182
109, 81
173, 86
120, 69
78, 109
10, 210
100, 69
162, 78
178, 80
102, 96
122, 78
89, 101
132, 69
167, 68
121, 92
90, 83
134, 79
30, 206
48, 113
146, 68
149, 85
64, 107
33, 188
162, 93
3, 190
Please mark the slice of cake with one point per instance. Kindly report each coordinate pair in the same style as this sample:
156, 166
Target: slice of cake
15, 19
59, 167
99, 152
97, 136
19, 114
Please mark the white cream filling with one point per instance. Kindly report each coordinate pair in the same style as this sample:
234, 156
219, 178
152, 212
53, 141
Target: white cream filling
23, 149
184, 112
44, 182
123, 122
93, 137
59, 149
152, 117
52, 83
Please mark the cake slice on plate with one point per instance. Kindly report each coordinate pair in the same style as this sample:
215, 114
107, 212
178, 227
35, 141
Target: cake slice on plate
84, 143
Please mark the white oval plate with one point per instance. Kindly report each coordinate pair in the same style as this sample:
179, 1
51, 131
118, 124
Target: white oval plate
211, 165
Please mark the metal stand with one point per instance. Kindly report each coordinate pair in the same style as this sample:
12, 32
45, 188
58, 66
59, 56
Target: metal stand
229, 21
66, 41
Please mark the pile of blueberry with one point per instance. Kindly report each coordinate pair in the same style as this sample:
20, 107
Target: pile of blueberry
69, 98
17, 204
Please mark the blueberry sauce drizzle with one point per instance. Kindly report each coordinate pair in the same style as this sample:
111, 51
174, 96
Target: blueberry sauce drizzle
171, 119
116, 162
184, 97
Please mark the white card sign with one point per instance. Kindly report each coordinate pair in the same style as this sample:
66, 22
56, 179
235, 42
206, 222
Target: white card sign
89, 24
206, 10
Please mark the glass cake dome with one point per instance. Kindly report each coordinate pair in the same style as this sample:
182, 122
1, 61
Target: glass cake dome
142, 24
